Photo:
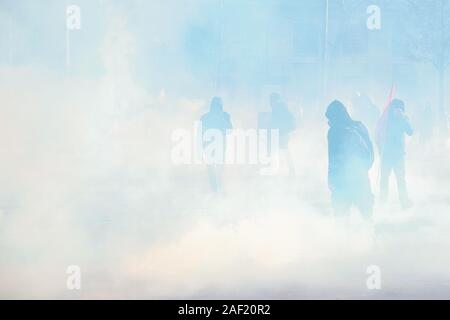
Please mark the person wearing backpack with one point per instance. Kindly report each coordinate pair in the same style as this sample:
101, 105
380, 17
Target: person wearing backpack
350, 157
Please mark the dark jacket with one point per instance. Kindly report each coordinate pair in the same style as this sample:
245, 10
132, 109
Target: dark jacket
398, 126
215, 120
350, 155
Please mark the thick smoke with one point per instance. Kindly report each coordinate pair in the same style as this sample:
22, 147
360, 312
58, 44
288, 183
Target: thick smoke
87, 178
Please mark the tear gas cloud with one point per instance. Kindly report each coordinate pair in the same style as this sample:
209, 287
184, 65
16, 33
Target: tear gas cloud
88, 111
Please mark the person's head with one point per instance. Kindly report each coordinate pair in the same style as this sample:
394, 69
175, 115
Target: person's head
396, 107
337, 114
216, 105
397, 104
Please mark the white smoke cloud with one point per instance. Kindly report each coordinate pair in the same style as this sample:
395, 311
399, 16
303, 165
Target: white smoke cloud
86, 179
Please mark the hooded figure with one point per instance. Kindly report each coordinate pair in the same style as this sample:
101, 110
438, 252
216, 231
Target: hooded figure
392, 150
350, 157
281, 119
216, 121
216, 118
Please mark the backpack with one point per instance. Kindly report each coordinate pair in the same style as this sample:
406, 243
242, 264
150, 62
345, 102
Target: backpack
360, 146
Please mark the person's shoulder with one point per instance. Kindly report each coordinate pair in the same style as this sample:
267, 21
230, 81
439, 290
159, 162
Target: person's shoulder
285, 111
329, 133
205, 116
226, 116
333, 132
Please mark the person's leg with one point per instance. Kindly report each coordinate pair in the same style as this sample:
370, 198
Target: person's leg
341, 204
400, 175
384, 179
212, 176
219, 177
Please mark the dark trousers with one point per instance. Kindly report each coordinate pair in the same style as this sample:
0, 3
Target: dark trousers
357, 194
215, 177
397, 165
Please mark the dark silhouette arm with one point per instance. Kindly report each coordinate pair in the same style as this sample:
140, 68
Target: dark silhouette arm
407, 126
229, 125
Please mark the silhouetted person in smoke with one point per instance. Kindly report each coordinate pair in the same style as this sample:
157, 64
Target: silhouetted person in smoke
216, 121
350, 157
392, 150
281, 119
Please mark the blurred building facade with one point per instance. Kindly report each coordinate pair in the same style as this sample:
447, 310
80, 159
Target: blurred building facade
316, 48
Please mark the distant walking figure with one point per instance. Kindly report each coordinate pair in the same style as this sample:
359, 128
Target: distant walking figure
281, 119
392, 150
215, 124
350, 157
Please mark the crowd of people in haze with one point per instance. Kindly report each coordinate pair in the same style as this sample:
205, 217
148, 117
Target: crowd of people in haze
351, 156
351, 151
